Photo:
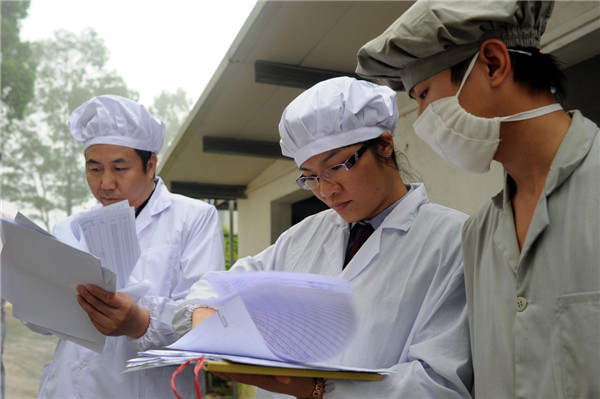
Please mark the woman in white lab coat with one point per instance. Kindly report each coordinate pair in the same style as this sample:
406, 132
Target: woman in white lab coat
407, 278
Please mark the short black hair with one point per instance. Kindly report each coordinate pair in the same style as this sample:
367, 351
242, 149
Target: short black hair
145, 156
539, 71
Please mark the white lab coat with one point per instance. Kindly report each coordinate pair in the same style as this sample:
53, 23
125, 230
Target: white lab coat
180, 239
408, 289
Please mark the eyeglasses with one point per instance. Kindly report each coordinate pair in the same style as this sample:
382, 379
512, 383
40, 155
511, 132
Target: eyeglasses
312, 182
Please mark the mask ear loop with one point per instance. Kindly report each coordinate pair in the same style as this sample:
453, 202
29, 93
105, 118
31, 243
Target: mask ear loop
472, 64
469, 69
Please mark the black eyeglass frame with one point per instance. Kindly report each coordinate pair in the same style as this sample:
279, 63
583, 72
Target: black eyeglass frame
303, 181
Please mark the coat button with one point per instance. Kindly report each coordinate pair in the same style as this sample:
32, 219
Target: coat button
521, 304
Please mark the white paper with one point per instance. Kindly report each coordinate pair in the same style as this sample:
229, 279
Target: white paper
301, 317
93, 345
268, 318
229, 331
39, 277
110, 235
161, 357
26, 222
291, 317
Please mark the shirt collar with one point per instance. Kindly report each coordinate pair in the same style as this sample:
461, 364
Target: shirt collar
139, 209
572, 151
377, 220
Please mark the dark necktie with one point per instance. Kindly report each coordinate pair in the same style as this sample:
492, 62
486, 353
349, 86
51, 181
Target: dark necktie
361, 232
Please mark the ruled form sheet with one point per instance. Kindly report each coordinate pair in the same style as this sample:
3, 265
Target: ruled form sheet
110, 235
295, 317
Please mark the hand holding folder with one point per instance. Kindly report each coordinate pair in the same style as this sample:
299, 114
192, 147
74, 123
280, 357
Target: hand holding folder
270, 323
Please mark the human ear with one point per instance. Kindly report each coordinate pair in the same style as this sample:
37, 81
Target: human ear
151, 169
386, 144
494, 55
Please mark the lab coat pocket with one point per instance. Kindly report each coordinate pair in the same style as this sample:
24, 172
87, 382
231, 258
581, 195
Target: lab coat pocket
158, 265
577, 347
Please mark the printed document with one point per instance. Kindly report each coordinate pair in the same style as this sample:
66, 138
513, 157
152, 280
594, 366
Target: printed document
39, 277
296, 317
268, 318
110, 235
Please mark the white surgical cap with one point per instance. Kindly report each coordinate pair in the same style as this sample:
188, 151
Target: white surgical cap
336, 113
116, 120
434, 35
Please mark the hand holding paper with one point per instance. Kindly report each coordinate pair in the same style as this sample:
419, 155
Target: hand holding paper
39, 277
113, 314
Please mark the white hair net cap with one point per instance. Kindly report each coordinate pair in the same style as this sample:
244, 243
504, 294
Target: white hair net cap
336, 113
115, 120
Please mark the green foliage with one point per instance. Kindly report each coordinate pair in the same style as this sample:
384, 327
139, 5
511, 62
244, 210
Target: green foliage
27, 170
235, 249
17, 71
43, 166
172, 109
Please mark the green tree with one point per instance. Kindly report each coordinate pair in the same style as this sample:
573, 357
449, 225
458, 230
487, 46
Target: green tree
172, 109
17, 71
228, 263
43, 165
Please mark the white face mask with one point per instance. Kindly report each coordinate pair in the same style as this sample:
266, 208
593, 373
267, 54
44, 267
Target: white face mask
463, 139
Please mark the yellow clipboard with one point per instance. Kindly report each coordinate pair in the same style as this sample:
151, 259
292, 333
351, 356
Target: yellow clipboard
223, 366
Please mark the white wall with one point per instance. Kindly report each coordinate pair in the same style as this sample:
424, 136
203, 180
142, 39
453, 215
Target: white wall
266, 213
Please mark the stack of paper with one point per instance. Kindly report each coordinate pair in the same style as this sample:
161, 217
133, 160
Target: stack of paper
268, 319
276, 315
39, 277
247, 365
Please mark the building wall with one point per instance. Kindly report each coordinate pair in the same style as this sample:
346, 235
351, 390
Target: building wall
583, 87
266, 212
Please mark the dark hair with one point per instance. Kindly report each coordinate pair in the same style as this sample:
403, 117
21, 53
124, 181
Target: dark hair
539, 71
145, 156
398, 159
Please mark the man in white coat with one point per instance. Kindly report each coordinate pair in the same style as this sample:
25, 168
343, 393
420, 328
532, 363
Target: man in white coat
180, 239
486, 92
407, 278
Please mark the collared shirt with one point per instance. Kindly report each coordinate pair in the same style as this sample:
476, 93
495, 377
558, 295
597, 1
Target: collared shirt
534, 314
377, 220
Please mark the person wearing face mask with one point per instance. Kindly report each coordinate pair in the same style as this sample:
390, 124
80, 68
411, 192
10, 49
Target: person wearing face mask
406, 279
532, 271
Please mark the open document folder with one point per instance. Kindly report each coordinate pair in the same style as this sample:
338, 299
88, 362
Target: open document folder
39, 277
248, 365
276, 322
